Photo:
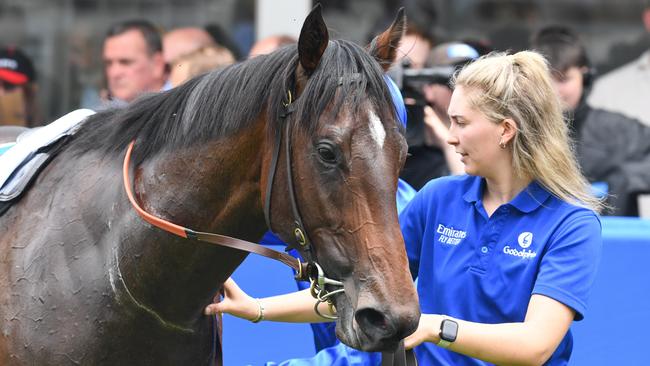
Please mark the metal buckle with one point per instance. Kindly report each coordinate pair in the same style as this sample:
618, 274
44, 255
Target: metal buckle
318, 283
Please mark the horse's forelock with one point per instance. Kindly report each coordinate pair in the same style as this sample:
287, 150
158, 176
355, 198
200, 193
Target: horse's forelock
346, 75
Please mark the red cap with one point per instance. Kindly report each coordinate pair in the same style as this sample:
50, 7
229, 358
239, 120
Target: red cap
15, 67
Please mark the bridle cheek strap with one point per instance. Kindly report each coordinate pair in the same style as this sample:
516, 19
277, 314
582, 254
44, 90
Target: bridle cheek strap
222, 240
299, 232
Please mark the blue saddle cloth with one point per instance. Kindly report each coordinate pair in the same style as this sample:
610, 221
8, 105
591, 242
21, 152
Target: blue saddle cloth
6, 146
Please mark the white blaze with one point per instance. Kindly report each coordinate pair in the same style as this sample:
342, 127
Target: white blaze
377, 129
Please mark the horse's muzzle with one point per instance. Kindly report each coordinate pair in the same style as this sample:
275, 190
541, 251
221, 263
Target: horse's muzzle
382, 331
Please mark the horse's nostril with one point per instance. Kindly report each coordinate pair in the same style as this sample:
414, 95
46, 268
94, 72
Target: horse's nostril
372, 319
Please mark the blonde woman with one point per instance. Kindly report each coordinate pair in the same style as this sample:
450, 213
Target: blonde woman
506, 255
197, 62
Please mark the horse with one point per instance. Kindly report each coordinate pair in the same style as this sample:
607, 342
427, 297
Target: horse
84, 280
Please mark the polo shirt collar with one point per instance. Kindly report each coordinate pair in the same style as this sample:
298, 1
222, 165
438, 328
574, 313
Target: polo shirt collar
530, 198
474, 190
533, 196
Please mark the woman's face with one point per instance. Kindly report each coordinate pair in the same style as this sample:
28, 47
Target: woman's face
569, 87
415, 48
474, 137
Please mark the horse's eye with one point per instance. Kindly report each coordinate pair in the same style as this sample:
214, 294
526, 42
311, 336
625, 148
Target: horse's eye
326, 153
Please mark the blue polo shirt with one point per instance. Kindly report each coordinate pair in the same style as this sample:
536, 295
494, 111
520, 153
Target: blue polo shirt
485, 269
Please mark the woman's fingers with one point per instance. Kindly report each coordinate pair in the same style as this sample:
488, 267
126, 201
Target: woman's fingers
235, 302
436, 128
231, 292
426, 331
413, 340
212, 309
231, 289
409, 343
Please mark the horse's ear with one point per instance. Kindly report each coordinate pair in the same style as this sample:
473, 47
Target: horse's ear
384, 47
313, 40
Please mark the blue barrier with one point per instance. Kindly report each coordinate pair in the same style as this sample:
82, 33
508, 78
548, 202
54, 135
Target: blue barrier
612, 333
615, 327
246, 343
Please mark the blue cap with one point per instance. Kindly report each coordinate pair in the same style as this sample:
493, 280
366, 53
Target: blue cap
398, 101
452, 54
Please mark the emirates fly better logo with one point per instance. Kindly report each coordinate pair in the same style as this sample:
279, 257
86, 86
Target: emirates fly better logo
524, 239
449, 235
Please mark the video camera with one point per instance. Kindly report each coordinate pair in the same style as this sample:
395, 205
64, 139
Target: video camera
410, 82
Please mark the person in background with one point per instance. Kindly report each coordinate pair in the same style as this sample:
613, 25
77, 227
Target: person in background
482, 45
17, 89
626, 90
504, 256
198, 62
414, 48
429, 154
182, 41
223, 38
269, 44
133, 60
611, 148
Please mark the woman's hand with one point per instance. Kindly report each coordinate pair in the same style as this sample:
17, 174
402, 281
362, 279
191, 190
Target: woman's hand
235, 302
428, 331
436, 132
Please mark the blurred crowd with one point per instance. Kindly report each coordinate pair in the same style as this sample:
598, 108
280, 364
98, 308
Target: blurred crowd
606, 112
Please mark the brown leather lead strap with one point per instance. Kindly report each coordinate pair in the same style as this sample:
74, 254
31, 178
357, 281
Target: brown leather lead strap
217, 333
226, 241
410, 358
400, 357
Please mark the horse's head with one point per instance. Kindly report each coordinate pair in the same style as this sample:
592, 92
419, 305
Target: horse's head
346, 150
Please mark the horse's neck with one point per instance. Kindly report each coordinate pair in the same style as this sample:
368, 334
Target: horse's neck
210, 188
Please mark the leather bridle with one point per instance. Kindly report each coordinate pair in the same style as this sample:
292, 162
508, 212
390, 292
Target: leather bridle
309, 270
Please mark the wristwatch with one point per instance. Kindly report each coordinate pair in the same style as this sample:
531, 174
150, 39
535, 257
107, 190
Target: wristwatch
448, 332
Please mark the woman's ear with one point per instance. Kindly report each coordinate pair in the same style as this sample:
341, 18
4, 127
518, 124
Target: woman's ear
508, 130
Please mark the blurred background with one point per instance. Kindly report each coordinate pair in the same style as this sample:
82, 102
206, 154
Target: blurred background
64, 37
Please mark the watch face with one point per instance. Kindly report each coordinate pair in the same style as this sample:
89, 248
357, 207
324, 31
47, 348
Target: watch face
448, 330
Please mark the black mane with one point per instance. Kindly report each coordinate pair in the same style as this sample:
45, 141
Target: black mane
225, 101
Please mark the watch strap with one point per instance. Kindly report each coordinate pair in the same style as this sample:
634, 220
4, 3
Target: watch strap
444, 344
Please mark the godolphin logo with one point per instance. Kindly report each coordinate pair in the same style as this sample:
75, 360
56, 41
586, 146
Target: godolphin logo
525, 239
